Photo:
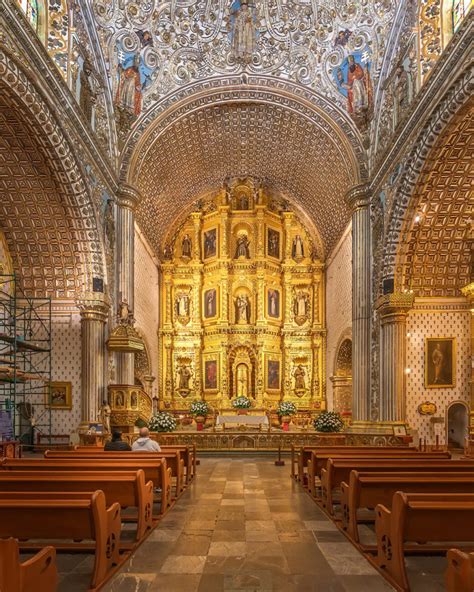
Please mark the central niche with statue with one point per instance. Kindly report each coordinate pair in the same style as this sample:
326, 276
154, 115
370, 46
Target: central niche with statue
242, 303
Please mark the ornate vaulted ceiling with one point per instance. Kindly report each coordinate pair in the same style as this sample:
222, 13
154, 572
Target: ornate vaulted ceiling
309, 164
39, 232
436, 260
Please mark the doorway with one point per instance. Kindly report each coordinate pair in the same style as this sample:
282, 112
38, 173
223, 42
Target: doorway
457, 424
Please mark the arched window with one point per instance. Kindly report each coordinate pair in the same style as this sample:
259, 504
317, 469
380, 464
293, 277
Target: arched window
460, 10
31, 9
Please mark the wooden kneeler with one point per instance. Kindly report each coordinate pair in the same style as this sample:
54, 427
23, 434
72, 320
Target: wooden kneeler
77, 517
38, 573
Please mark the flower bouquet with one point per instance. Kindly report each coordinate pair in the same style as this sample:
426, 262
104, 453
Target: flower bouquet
328, 421
162, 422
200, 410
241, 403
286, 408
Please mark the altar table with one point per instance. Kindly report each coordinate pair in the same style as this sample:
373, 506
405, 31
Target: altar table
250, 420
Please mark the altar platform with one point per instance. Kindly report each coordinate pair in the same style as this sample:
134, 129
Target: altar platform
254, 440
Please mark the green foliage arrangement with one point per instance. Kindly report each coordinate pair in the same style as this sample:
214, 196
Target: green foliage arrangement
328, 421
162, 422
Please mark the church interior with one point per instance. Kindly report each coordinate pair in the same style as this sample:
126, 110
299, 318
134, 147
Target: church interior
236, 296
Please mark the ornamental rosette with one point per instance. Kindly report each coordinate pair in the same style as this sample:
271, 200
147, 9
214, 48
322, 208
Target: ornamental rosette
328, 421
241, 403
162, 422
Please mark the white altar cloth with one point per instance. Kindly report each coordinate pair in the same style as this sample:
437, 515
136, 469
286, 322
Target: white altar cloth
255, 420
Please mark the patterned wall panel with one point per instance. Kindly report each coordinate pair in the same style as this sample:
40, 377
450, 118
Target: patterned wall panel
146, 300
338, 303
436, 323
66, 367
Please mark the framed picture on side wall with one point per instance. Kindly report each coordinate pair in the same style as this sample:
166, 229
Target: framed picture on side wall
59, 395
440, 362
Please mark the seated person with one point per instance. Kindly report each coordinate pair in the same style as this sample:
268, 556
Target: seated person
117, 443
145, 443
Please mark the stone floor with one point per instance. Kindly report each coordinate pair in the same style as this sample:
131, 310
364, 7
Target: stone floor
244, 525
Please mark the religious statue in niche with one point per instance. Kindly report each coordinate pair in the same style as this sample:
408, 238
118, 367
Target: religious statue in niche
125, 314
186, 247
185, 374
242, 309
354, 82
109, 222
134, 400
301, 307
242, 249
242, 202
299, 374
244, 32
273, 304
297, 248
183, 307
242, 380
210, 243
104, 416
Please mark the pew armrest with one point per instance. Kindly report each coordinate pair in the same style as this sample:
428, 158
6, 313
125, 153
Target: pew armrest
345, 505
40, 572
460, 572
382, 531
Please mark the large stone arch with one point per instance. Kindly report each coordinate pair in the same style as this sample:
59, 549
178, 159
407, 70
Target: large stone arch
454, 99
44, 181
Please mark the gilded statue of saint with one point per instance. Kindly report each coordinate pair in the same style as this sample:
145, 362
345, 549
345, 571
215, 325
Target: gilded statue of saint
242, 380
242, 309
242, 249
297, 251
184, 374
299, 375
104, 413
186, 246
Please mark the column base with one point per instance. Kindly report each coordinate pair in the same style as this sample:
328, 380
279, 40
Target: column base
377, 427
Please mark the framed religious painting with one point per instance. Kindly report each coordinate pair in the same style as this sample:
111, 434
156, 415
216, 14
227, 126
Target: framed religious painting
273, 243
210, 303
440, 362
273, 375
210, 375
210, 243
273, 303
59, 395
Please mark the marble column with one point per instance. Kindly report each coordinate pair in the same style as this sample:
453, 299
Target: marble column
358, 200
393, 310
468, 291
127, 201
94, 312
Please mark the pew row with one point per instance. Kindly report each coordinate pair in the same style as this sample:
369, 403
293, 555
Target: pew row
62, 517
339, 469
38, 573
366, 490
127, 488
460, 571
156, 470
318, 460
300, 455
435, 519
173, 459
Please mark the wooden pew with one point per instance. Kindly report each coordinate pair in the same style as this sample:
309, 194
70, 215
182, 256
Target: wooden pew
366, 490
301, 455
319, 460
460, 572
65, 517
173, 459
128, 488
339, 470
438, 519
38, 573
156, 470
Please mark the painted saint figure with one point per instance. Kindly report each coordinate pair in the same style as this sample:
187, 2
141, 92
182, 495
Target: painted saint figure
242, 249
129, 91
243, 34
297, 251
186, 246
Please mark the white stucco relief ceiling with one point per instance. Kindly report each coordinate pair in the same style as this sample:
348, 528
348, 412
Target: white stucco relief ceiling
293, 156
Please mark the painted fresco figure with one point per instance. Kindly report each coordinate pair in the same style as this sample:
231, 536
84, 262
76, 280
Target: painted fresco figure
243, 34
129, 91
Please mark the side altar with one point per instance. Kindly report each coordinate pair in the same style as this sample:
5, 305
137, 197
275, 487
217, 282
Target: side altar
242, 304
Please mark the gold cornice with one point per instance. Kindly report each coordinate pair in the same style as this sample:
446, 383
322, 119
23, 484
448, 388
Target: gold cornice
398, 303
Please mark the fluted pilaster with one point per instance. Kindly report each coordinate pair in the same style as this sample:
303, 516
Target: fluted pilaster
358, 200
127, 201
393, 310
468, 291
94, 311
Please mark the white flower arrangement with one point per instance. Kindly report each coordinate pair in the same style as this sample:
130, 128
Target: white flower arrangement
241, 403
328, 421
199, 408
286, 408
162, 422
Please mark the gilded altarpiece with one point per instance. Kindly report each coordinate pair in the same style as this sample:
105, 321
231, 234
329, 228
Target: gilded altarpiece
242, 304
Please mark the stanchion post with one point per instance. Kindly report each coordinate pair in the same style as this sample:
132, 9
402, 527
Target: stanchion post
279, 462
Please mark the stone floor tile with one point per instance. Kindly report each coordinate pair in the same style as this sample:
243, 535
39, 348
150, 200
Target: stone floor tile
175, 583
227, 549
184, 564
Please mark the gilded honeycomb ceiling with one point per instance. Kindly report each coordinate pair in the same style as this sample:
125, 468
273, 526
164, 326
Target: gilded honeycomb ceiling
38, 231
437, 254
293, 156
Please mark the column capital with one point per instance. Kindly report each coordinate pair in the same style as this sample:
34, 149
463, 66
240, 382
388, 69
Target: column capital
128, 197
358, 197
396, 304
93, 306
468, 292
